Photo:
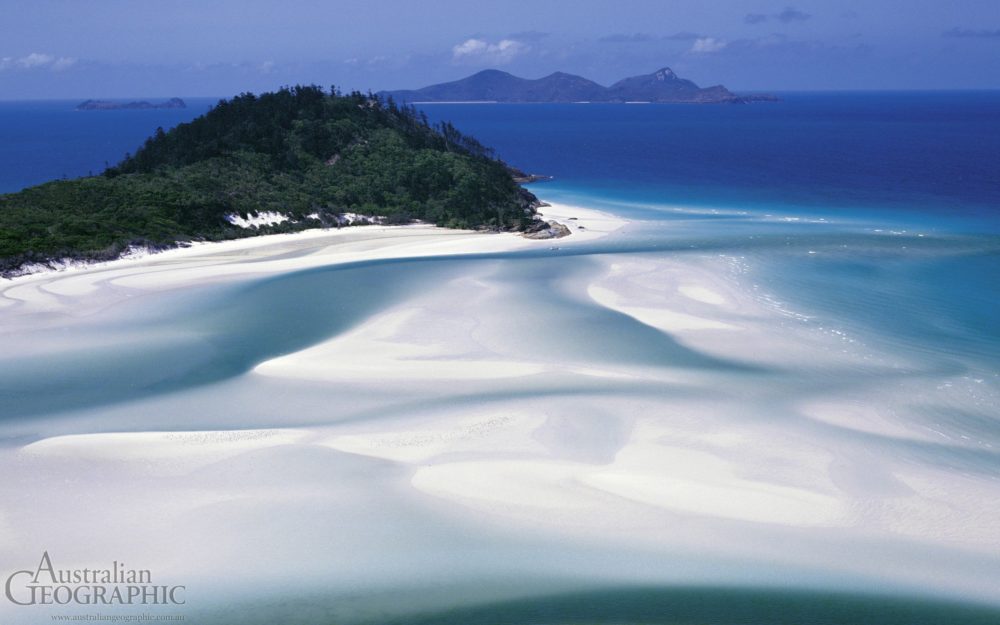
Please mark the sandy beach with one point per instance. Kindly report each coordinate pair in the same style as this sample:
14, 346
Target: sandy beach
259, 256
484, 425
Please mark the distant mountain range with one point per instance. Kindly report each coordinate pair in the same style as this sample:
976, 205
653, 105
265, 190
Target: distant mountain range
493, 85
104, 105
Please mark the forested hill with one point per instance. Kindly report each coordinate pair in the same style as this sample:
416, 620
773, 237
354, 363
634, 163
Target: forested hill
303, 153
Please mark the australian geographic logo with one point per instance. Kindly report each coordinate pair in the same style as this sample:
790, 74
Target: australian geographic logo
118, 585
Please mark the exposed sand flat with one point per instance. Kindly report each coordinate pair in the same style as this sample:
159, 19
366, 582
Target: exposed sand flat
693, 465
381, 350
662, 464
932, 507
661, 318
508, 487
708, 484
7, 535
585, 225
702, 294
488, 433
864, 418
181, 450
442, 334
490, 423
674, 479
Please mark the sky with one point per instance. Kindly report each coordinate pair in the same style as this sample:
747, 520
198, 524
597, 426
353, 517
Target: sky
164, 48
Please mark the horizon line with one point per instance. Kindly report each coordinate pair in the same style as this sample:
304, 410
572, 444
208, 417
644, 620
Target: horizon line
737, 91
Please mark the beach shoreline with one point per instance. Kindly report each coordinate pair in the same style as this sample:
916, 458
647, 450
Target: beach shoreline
274, 254
600, 222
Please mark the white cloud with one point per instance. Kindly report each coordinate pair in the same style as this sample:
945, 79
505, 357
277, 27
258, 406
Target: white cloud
63, 63
481, 50
705, 45
469, 47
37, 60
266, 67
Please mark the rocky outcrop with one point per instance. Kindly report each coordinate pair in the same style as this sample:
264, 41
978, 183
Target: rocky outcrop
547, 230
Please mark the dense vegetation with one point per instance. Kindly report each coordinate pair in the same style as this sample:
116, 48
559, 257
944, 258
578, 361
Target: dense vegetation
301, 151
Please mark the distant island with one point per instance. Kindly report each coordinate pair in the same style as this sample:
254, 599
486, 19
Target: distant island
105, 105
285, 161
662, 86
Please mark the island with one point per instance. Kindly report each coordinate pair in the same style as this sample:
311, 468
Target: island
491, 85
289, 160
106, 105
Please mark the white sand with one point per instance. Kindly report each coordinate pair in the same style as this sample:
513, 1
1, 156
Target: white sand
711, 484
662, 318
384, 348
702, 294
584, 224
227, 260
267, 218
176, 452
444, 438
422, 441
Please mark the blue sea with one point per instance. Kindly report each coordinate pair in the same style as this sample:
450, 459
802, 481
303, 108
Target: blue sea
871, 216
49, 139
909, 182
920, 158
